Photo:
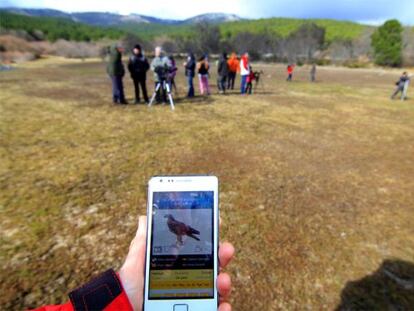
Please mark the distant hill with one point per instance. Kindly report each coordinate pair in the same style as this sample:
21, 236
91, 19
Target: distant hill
37, 12
148, 27
214, 18
114, 19
54, 28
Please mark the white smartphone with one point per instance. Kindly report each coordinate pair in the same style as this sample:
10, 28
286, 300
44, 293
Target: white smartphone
181, 264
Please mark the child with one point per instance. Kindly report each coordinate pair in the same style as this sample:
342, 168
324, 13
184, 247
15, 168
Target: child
250, 78
290, 68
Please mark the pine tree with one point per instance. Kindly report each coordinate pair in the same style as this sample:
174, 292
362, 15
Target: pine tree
387, 44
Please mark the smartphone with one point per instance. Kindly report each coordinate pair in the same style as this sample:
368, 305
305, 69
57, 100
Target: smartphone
181, 264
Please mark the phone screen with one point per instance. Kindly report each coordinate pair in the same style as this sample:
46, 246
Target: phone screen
181, 255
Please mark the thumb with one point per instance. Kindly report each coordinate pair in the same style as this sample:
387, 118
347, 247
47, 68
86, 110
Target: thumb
136, 255
132, 271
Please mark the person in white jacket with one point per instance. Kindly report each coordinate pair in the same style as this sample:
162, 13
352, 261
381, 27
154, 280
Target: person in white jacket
244, 71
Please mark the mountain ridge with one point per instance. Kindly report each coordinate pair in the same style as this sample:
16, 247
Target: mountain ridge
115, 19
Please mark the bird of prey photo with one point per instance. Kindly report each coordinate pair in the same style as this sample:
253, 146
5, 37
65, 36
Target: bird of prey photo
180, 229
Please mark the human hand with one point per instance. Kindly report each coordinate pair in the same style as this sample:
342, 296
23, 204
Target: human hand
133, 269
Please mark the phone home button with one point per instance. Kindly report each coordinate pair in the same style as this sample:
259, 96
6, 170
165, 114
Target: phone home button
180, 307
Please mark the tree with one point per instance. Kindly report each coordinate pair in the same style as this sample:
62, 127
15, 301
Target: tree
255, 44
130, 40
387, 44
205, 38
208, 37
305, 41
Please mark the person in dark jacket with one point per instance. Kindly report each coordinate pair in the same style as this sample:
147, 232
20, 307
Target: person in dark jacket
138, 66
222, 73
401, 83
116, 71
312, 73
173, 73
189, 66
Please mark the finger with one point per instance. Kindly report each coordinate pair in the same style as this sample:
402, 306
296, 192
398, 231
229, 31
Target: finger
226, 253
224, 306
224, 285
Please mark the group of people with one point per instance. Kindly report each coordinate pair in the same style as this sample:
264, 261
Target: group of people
165, 70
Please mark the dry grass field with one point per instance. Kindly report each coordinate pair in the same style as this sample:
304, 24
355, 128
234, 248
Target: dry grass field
317, 183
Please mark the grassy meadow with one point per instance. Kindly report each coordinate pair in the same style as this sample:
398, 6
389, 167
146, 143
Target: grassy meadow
316, 183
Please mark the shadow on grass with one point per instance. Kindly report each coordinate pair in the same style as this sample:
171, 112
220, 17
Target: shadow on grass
194, 100
391, 287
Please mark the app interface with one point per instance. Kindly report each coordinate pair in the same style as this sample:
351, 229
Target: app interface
182, 262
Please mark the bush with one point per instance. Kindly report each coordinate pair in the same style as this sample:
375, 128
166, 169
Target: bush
355, 64
323, 62
387, 44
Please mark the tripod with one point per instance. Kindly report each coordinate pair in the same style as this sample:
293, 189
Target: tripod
166, 87
257, 76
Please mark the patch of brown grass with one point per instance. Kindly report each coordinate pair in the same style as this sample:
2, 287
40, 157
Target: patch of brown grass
316, 181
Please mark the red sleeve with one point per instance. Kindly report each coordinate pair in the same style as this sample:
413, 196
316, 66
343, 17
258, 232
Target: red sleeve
105, 292
65, 307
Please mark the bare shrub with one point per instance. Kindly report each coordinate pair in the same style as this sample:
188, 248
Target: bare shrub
72, 49
14, 50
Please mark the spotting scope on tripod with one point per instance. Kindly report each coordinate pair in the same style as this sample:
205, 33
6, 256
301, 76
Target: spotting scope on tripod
164, 83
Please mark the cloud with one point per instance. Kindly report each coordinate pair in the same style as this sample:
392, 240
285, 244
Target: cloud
355, 10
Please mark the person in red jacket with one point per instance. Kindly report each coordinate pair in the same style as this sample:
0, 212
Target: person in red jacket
112, 291
289, 70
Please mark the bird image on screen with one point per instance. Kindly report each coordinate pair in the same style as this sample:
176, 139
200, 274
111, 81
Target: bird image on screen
180, 229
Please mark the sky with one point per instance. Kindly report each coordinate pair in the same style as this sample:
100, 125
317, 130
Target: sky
365, 11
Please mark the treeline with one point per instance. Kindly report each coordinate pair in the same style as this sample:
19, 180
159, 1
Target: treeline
299, 46
309, 42
275, 39
284, 27
52, 29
